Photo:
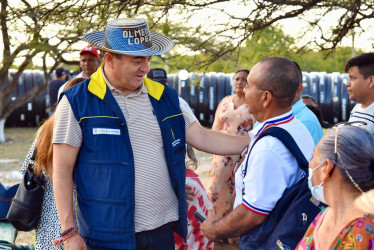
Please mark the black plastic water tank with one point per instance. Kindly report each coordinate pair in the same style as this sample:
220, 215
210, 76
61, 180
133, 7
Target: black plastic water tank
203, 92
33, 112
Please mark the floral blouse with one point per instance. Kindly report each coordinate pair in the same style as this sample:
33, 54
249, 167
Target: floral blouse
357, 234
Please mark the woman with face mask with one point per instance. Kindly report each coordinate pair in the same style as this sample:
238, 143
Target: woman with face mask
342, 168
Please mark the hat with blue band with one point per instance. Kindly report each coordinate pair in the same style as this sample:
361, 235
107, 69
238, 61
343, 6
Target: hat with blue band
130, 36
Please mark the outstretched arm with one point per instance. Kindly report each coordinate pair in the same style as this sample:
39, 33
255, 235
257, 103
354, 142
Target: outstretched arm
215, 142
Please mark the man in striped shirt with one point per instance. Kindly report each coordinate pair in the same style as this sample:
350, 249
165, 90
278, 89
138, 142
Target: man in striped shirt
360, 87
123, 136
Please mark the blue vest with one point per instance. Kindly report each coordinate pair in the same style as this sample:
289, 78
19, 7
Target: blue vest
104, 170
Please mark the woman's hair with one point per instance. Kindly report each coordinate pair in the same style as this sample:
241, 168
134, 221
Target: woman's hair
242, 70
192, 162
317, 113
44, 145
310, 98
356, 147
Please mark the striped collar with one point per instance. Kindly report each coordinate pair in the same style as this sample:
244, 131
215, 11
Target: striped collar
274, 121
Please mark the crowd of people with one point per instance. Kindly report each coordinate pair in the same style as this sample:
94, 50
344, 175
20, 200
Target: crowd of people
114, 154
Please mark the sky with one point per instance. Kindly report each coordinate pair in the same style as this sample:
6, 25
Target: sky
362, 39
209, 17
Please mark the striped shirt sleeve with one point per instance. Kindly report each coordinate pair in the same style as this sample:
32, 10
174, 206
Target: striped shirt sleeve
66, 128
189, 117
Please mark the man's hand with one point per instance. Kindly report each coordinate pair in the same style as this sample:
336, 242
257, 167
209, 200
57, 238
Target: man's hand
208, 227
190, 193
235, 224
75, 243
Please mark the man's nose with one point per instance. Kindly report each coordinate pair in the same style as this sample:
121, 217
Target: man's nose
145, 66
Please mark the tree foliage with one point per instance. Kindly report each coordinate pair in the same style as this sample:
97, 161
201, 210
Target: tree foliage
51, 29
271, 41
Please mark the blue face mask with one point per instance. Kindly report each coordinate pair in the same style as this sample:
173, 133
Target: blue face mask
317, 191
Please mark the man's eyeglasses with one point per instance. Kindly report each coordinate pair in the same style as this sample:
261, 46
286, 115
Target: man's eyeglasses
237, 163
337, 154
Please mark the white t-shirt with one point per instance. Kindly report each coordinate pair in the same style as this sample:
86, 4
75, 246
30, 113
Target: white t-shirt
363, 114
271, 167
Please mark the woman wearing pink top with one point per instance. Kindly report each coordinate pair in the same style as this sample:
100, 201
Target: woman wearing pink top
232, 117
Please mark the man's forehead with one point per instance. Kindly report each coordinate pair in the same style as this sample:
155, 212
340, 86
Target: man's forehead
256, 70
354, 70
140, 57
87, 55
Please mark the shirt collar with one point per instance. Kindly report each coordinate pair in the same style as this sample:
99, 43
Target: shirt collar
139, 91
274, 121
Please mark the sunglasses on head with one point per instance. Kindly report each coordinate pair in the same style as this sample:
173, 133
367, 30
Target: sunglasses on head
336, 152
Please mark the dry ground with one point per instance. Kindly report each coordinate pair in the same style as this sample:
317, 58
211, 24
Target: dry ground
12, 155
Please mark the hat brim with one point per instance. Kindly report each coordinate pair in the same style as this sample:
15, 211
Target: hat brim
160, 44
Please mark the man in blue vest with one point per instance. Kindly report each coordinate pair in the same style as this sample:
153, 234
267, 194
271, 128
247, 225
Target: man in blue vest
119, 141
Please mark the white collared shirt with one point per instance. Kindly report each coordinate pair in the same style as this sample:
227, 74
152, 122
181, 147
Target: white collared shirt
271, 167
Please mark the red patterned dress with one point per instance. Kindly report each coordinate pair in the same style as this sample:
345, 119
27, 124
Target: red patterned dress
201, 203
231, 121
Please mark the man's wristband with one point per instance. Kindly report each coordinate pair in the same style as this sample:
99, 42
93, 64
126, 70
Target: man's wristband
67, 231
65, 235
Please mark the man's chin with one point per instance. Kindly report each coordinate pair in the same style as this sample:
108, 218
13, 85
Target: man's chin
87, 73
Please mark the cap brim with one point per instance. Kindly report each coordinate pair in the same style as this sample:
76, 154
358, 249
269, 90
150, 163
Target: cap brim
160, 44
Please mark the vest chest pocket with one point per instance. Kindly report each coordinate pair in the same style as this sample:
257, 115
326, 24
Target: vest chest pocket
175, 133
105, 137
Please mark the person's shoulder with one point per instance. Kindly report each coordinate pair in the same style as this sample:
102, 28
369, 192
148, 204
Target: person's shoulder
305, 114
227, 99
301, 135
56, 81
367, 219
356, 107
268, 143
310, 121
370, 108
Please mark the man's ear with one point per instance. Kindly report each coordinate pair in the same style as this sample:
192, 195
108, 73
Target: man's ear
371, 81
300, 89
108, 59
266, 98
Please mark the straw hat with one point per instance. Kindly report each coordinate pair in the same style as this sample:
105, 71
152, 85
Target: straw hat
366, 201
130, 36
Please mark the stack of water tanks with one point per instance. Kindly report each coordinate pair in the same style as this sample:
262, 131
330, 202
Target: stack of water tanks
203, 92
